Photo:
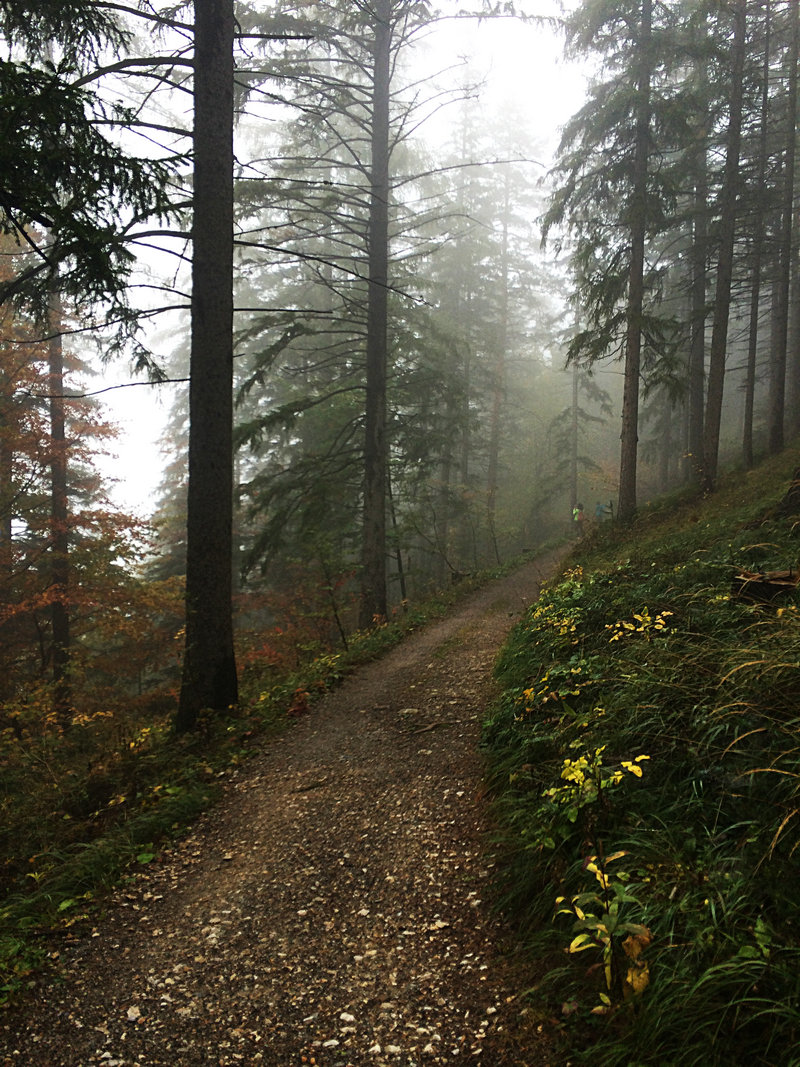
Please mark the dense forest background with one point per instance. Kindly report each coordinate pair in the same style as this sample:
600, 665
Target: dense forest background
419, 387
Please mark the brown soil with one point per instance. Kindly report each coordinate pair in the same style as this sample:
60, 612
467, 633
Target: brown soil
333, 908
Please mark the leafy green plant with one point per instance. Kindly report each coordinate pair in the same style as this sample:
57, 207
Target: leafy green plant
599, 924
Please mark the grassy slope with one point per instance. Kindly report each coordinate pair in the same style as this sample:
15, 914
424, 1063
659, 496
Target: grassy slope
645, 761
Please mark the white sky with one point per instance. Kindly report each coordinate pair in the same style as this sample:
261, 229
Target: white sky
139, 414
521, 62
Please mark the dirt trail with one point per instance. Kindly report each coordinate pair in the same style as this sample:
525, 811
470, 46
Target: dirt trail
332, 909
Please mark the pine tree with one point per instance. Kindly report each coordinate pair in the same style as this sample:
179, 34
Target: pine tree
613, 202
725, 263
58, 169
788, 237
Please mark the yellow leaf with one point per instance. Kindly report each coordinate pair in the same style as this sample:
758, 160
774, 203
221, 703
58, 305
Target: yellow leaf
635, 944
579, 943
638, 977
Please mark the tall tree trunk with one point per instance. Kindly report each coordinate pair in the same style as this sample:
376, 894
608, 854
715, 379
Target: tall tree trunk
777, 380
398, 548
372, 603
722, 295
6, 487
633, 338
698, 290
443, 498
758, 250
464, 548
752, 352
666, 444
573, 440
209, 666
8, 622
59, 517
466, 540
498, 376
793, 348
697, 345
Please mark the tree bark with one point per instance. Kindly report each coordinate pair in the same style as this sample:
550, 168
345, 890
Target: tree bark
6, 484
758, 250
666, 445
59, 518
722, 295
498, 376
638, 225
373, 603
467, 554
793, 348
697, 344
777, 380
574, 432
209, 666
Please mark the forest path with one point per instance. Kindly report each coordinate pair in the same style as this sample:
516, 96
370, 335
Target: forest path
331, 909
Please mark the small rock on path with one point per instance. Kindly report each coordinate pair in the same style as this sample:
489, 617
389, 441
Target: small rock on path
332, 909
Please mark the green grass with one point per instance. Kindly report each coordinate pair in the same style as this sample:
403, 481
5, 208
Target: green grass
676, 939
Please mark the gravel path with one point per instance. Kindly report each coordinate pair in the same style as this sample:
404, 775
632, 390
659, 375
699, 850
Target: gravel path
332, 909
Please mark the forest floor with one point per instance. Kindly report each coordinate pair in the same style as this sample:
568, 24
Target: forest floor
334, 908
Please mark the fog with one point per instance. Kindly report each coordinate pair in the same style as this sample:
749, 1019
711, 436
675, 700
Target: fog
517, 66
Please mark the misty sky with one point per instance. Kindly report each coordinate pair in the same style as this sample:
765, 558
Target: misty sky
522, 64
